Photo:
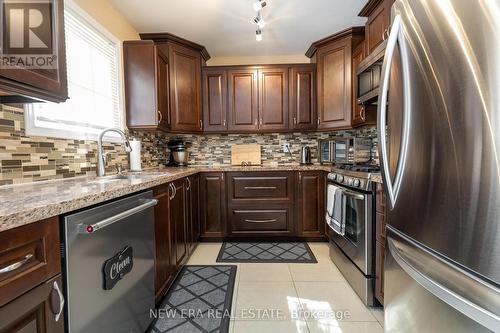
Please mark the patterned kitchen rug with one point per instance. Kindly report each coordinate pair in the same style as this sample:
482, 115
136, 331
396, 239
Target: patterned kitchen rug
266, 252
198, 301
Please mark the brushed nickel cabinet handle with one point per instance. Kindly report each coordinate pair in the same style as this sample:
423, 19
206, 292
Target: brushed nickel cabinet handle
362, 113
16, 265
260, 187
61, 301
261, 221
160, 117
189, 184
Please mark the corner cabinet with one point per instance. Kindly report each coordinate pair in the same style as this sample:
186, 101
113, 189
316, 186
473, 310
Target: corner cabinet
163, 83
20, 85
185, 88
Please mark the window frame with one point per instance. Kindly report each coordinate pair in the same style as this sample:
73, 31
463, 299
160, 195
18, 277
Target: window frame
29, 118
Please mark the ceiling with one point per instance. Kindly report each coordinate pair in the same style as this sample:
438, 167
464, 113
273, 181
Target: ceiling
226, 27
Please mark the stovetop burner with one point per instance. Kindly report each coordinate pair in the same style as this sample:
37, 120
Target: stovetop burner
371, 168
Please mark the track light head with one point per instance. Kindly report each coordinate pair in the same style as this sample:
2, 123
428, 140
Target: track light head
258, 35
260, 21
259, 5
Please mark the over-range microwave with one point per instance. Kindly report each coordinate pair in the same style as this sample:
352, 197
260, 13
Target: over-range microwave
345, 150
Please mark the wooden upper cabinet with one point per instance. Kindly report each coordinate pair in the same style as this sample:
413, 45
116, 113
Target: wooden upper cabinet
214, 99
335, 77
378, 23
185, 88
273, 99
303, 114
146, 85
358, 111
21, 84
243, 101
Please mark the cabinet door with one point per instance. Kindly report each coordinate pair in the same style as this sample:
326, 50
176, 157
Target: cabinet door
212, 205
193, 225
37, 311
376, 26
358, 111
273, 99
185, 88
311, 204
163, 91
214, 100
164, 247
303, 98
334, 85
179, 219
243, 101
46, 84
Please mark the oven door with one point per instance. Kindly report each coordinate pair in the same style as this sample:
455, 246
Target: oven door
356, 243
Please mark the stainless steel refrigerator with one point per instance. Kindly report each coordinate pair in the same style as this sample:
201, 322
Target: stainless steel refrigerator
439, 142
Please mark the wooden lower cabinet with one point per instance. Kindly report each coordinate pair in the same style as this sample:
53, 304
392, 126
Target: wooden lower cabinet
165, 268
310, 205
37, 311
212, 205
193, 211
379, 271
178, 218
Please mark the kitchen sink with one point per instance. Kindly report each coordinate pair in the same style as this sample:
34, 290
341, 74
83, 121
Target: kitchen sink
130, 177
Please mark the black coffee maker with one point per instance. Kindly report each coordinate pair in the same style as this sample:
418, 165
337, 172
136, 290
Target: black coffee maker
178, 153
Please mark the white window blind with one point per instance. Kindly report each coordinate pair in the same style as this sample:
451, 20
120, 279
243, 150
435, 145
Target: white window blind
93, 85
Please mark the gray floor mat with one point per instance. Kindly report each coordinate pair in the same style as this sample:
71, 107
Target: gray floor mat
279, 252
198, 301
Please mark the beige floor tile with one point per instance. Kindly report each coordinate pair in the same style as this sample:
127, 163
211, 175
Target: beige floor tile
344, 327
265, 272
378, 313
322, 271
206, 254
321, 251
332, 302
266, 300
270, 327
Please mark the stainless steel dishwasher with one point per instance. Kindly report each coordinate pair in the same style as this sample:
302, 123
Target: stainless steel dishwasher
109, 266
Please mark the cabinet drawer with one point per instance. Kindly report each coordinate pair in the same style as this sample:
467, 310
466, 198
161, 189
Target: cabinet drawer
29, 255
261, 187
255, 221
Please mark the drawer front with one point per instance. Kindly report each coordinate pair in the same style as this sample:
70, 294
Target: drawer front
260, 221
261, 186
29, 255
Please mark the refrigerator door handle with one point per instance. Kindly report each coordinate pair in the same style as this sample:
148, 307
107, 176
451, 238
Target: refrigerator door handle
443, 280
396, 35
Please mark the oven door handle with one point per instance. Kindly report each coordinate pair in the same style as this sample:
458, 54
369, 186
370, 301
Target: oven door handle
354, 195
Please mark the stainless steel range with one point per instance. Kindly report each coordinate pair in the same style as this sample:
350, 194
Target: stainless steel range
351, 198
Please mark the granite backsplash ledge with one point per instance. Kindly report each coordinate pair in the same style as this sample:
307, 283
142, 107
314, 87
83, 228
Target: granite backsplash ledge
25, 159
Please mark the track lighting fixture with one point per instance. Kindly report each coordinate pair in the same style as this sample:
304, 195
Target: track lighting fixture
259, 5
258, 35
260, 21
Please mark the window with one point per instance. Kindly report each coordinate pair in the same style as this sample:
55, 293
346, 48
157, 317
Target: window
93, 66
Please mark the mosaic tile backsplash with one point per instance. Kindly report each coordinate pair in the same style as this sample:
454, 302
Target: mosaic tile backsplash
26, 158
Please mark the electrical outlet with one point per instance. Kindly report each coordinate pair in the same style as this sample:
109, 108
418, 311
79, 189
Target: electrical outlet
286, 147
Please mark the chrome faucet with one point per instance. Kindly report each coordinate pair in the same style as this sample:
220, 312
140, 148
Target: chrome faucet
101, 156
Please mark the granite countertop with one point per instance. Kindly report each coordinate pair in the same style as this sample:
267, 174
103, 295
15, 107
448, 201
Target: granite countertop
376, 177
28, 203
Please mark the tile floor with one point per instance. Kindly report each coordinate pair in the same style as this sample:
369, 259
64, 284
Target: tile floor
277, 293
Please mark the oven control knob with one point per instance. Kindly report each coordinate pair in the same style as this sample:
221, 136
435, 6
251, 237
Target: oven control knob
349, 181
334, 176
356, 183
340, 178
